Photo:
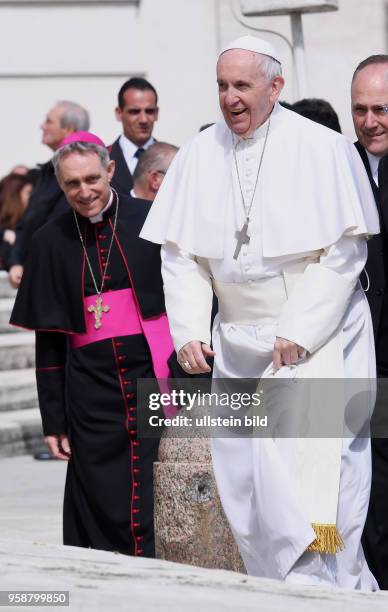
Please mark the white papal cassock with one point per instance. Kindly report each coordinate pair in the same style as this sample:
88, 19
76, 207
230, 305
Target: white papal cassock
312, 211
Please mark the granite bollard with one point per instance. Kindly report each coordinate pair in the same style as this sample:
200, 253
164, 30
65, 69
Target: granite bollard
190, 525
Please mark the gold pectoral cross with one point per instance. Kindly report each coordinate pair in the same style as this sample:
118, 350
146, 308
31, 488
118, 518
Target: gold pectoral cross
98, 311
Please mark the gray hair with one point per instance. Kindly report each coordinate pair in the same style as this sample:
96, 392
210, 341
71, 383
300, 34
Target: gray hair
83, 148
156, 157
269, 67
74, 116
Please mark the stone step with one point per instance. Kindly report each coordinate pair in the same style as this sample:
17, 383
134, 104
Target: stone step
6, 305
18, 390
20, 432
17, 351
5, 288
98, 580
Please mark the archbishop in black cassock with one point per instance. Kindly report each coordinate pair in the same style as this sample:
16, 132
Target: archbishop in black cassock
87, 392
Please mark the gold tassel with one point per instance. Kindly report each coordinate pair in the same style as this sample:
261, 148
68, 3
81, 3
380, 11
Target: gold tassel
328, 539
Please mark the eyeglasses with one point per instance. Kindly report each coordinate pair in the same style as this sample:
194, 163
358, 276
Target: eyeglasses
380, 109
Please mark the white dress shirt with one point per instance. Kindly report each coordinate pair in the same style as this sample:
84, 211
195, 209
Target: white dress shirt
129, 150
374, 166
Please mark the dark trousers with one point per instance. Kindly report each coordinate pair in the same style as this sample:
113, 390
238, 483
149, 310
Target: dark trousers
375, 536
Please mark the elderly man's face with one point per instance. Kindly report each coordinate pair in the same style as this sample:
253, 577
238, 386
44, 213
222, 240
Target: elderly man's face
138, 115
52, 131
85, 182
369, 108
246, 96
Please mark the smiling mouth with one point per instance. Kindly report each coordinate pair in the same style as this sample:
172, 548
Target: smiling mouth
237, 113
374, 135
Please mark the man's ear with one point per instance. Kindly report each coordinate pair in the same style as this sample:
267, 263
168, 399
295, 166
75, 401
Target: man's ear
154, 180
58, 177
277, 86
111, 169
118, 113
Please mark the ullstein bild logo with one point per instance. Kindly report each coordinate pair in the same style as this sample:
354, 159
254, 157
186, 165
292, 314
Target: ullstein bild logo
206, 420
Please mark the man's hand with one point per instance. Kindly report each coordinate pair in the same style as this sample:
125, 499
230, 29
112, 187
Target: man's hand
59, 446
286, 353
9, 236
15, 275
192, 357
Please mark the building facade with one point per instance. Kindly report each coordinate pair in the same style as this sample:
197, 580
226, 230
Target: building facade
83, 50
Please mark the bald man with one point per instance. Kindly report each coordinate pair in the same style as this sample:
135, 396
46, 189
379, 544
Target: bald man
370, 117
151, 170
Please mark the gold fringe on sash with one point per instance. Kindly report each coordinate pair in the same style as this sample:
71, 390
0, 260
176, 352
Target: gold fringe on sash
328, 539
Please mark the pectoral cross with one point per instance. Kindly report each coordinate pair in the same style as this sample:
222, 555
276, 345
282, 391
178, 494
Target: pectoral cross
242, 238
98, 311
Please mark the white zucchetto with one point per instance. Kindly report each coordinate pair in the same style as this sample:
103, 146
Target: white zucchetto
252, 43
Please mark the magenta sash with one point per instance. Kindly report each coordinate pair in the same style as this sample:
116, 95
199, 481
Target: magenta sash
124, 319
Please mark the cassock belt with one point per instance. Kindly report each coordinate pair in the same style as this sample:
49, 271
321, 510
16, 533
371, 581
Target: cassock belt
257, 302
124, 319
317, 461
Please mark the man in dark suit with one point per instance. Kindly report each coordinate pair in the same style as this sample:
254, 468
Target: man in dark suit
47, 200
137, 111
370, 117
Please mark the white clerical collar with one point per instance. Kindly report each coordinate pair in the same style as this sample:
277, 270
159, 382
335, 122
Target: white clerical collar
374, 166
259, 133
98, 218
129, 148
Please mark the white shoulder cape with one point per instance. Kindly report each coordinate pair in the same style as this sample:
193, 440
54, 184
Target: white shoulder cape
313, 188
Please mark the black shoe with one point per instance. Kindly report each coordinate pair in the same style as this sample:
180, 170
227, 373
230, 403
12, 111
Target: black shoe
44, 456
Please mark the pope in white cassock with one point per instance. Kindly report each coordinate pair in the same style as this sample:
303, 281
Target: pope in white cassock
272, 211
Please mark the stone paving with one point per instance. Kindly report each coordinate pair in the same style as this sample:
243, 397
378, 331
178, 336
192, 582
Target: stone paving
31, 499
32, 558
102, 581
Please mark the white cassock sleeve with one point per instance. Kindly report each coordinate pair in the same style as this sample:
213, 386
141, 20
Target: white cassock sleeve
188, 295
320, 297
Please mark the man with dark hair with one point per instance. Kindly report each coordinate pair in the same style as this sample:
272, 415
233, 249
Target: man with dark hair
137, 111
92, 290
135, 83
47, 200
370, 117
318, 110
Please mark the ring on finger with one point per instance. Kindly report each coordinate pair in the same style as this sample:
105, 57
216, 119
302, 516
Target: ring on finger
186, 365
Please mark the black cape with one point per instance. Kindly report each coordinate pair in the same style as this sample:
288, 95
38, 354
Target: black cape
51, 288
